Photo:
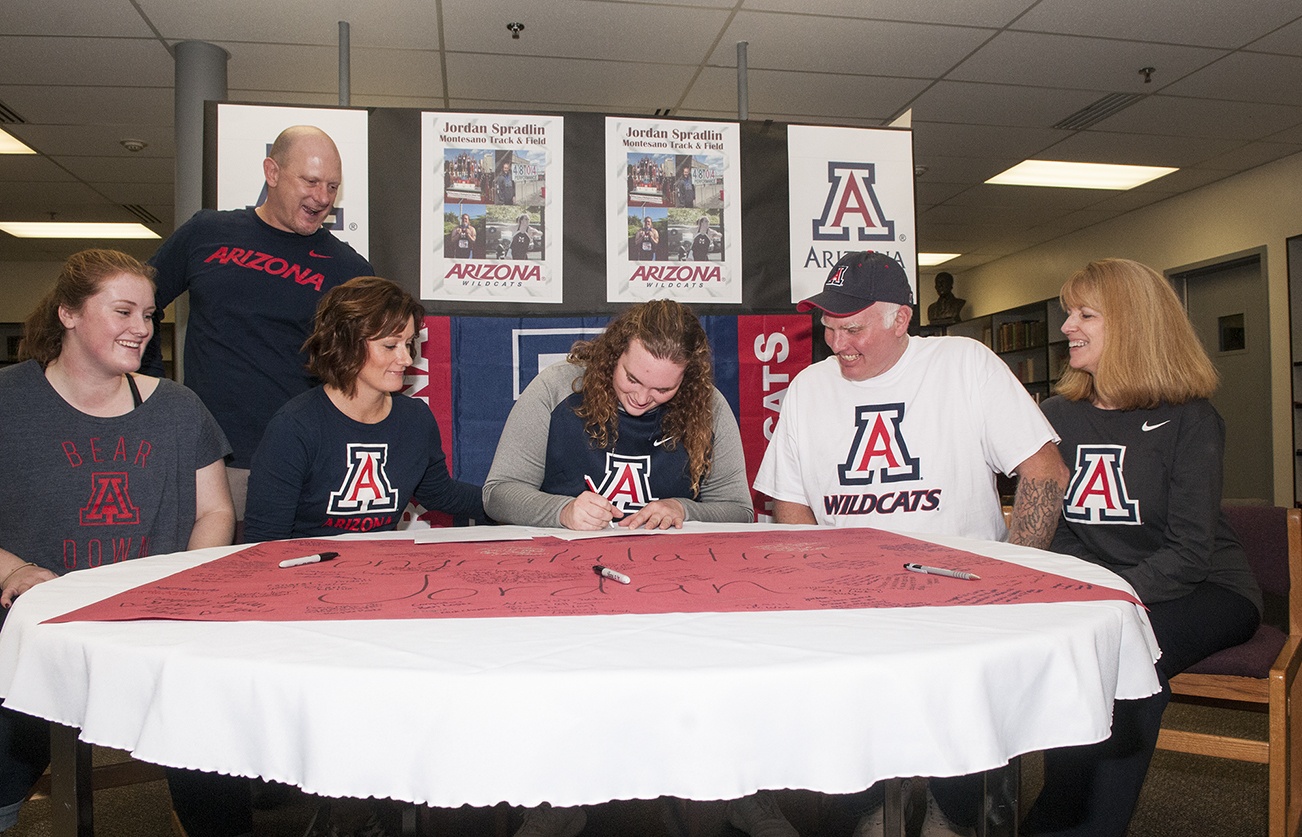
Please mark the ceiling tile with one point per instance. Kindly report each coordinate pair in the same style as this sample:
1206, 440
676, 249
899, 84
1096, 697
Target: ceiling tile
1246, 75
270, 67
1286, 39
1177, 116
1136, 149
989, 13
89, 61
866, 97
1038, 200
1129, 200
22, 169
144, 169
1182, 181
85, 105
407, 24
145, 194
570, 82
57, 140
962, 170
946, 139
1073, 221
1290, 135
102, 19
1250, 155
983, 216
283, 97
928, 194
1080, 63
838, 45
1216, 24
33, 201
998, 104
395, 72
663, 34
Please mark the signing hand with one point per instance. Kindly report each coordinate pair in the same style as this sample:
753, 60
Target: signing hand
658, 514
589, 512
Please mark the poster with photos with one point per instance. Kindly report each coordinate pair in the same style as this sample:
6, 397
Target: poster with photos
673, 210
491, 199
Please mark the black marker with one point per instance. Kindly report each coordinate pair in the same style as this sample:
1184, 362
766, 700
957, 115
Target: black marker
308, 559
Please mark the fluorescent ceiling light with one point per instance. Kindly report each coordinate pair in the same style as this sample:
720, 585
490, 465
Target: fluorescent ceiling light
9, 144
1078, 175
56, 229
933, 259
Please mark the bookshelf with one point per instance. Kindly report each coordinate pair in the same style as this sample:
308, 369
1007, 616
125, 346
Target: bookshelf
1028, 338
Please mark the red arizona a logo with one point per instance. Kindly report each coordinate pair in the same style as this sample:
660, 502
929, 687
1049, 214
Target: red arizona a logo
1097, 493
878, 453
852, 203
628, 481
110, 501
366, 486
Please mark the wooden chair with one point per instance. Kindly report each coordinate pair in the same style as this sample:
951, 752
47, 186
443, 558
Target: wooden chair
1260, 674
114, 769
113, 774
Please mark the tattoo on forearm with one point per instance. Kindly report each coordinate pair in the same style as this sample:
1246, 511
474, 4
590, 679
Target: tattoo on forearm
1036, 508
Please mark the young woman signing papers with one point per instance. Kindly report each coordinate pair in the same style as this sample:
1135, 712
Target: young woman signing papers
630, 431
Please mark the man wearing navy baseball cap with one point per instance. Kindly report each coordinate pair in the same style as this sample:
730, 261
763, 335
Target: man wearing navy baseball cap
906, 434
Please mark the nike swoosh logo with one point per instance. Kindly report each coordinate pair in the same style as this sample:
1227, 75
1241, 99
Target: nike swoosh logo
1147, 427
314, 254
658, 442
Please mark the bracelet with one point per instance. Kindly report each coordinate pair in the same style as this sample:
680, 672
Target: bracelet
12, 573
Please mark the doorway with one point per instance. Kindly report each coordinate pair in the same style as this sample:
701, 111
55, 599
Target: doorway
1228, 308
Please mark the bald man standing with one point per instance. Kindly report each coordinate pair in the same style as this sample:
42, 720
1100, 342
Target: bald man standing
255, 276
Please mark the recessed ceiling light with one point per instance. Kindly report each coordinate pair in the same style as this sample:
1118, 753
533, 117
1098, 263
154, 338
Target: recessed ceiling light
933, 259
60, 229
9, 144
1078, 175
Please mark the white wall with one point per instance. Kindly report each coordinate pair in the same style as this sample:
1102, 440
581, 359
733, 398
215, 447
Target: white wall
1259, 208
22, 284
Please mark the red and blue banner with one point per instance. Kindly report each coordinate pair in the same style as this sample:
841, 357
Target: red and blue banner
472, 370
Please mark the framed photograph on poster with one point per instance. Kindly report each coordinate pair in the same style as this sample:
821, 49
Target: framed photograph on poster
492, 194
673, 210
851, 190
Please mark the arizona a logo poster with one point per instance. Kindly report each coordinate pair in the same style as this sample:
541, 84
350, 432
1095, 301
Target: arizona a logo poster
851, 189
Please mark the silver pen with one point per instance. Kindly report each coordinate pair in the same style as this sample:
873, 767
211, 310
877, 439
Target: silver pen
920, 568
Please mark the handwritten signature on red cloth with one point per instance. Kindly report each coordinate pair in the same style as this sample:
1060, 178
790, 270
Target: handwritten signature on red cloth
680, 573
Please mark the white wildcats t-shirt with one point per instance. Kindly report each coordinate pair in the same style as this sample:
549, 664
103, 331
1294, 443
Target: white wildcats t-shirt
914, 449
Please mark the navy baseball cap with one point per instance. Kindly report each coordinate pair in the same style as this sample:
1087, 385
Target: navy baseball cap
859, 280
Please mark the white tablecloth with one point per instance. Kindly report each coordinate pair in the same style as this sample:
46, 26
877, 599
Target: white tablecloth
583, 709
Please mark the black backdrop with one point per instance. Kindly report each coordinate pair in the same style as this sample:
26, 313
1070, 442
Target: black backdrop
395, 218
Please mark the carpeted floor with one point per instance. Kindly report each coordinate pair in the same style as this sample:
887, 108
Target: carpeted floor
1184, 795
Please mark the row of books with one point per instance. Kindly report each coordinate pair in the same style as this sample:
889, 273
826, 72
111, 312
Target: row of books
1019, 334
1030, 370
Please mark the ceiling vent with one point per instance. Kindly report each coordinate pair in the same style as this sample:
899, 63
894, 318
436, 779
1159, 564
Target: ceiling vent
9, 117
1095, 113
145, 216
